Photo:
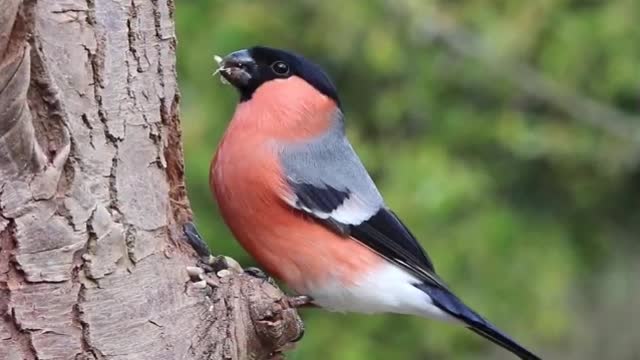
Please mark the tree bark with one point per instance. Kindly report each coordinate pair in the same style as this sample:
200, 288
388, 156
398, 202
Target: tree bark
92, 197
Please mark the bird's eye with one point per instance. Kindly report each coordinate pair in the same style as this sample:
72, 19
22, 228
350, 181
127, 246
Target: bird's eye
280, 68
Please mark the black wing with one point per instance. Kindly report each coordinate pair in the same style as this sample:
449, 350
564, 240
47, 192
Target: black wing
384, 233
328, 181
381, 231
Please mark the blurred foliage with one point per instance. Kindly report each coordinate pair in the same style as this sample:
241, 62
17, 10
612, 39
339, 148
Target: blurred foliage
476, 120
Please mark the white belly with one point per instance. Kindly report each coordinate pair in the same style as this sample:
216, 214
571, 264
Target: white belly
388, 289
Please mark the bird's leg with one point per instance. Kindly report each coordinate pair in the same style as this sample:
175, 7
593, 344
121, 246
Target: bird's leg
207, 264
293, 301
195, 240
300, 301
259, 274
202, 249
196, 273
210, 264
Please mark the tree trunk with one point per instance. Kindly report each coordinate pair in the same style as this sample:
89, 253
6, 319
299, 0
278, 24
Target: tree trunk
92, 197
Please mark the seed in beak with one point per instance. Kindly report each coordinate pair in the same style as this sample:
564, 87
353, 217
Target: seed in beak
220, 68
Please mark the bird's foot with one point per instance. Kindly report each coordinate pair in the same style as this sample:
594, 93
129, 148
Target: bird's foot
195, 240
300, 301
256, 273
259, 274
207, 265
221, 263
292, 301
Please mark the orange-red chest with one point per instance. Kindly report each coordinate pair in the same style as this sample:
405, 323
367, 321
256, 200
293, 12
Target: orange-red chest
249, 184
244, 174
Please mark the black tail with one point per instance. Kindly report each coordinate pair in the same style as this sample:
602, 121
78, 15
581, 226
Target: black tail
453, 306
494, 335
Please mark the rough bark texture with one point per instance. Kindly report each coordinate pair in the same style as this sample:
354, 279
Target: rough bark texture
92, 198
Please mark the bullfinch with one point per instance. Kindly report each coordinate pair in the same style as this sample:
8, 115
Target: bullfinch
297, 197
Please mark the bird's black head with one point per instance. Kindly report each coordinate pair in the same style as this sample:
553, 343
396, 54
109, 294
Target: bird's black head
247, 69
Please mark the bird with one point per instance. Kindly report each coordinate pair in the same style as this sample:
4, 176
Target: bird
298, 199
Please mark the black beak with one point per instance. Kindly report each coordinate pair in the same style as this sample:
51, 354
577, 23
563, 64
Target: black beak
238, 68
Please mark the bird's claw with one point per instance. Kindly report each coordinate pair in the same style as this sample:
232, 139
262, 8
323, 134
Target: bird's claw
207, 264
221, 262
195, 240
259, 274
256, 272
300, 301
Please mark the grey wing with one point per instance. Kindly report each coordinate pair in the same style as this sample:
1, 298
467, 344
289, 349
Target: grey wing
329, 182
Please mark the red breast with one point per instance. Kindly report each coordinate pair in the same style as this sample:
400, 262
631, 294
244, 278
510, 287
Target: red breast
248, 183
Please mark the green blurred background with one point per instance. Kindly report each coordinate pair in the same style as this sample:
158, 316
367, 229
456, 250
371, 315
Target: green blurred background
506, 134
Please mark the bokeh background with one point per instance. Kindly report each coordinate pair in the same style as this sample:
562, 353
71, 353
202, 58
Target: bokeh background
506, 134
